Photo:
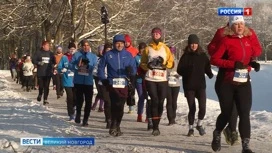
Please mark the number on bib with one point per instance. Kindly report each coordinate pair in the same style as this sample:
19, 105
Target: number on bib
118, 83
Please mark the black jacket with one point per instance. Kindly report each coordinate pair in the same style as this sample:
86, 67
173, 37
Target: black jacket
192, 67
49, 61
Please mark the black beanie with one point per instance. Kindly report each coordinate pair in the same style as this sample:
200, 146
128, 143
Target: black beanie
142, 45
193, 39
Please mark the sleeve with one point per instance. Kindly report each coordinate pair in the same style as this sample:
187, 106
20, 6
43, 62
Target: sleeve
53, 58
255, 43
35, 58
60, 65
93, 62
74, 62
181, 65
133, 65
144, 59
170, 59
208, 69
216, 39
101, 68
216, 58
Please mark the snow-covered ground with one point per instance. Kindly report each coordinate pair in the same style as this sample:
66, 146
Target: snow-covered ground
21, 116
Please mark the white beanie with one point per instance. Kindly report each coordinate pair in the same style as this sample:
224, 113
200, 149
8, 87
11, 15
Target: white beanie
236, 19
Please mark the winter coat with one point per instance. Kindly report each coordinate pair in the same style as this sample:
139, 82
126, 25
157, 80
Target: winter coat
12, 63
133, 51
152, 51
83, 74
222, 32
116, 63
47, 57
232, 49
69, 56
173, 76
192, 67
68, 76
28, 69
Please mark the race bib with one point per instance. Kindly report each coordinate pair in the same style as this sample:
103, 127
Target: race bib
82, 70
45, 59
240, 75
71, 74
118, 83
172, 80
157, 74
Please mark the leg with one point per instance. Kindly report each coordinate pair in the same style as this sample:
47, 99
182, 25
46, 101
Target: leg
139, 89
175, 93
46, 87
79, 101
41, 88
70, 101
169, 106
88, 93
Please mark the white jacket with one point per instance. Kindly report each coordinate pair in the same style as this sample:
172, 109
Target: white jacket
28, 68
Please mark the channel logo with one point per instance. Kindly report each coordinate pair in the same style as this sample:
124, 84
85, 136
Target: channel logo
57, 141
224, 11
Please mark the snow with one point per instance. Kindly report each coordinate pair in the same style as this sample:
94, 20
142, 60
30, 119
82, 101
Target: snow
21, 116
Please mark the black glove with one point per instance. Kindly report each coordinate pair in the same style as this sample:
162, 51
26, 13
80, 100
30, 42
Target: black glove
85, 61
160, 60
105, 82
239, 65
255, 65
129, 70
210, 75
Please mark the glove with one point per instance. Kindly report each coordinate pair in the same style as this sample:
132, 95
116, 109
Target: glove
129, 70
160, 60
239, 65
105, 82
210, 75
40, 63
64, 70
255, 65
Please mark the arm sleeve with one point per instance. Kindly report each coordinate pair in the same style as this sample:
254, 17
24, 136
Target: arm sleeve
208, 69
144, 59
170, 59
216, 39
35, 58
101, 68
60, 65
216, 58
180, 68
255, 43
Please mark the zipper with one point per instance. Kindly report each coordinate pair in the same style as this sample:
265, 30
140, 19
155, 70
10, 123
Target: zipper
244, 52
119, 64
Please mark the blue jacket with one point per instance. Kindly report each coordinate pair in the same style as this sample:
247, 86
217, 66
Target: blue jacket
116, 63
68, 76
83, 74
138, 61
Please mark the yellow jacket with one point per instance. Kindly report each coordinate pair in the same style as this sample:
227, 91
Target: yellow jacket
169, 57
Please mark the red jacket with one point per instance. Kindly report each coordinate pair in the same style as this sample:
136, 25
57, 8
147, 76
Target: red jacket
236, 49
133, 51
219, 35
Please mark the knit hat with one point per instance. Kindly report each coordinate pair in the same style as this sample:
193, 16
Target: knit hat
71, 45
59, 47
118, 38
235, 19
156, 30
172, 49
193, 39
127, 38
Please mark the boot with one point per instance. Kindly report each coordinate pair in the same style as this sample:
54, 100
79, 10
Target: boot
139, 118
234, 138
245, 145
216, 142
156, 130
113, 128
119, 133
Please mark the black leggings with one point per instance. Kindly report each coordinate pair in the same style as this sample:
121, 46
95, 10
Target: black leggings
83, 92
44, 86
241, 96
59, 85
200, 95
157, 92
107, 102
232, 124
171, 104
